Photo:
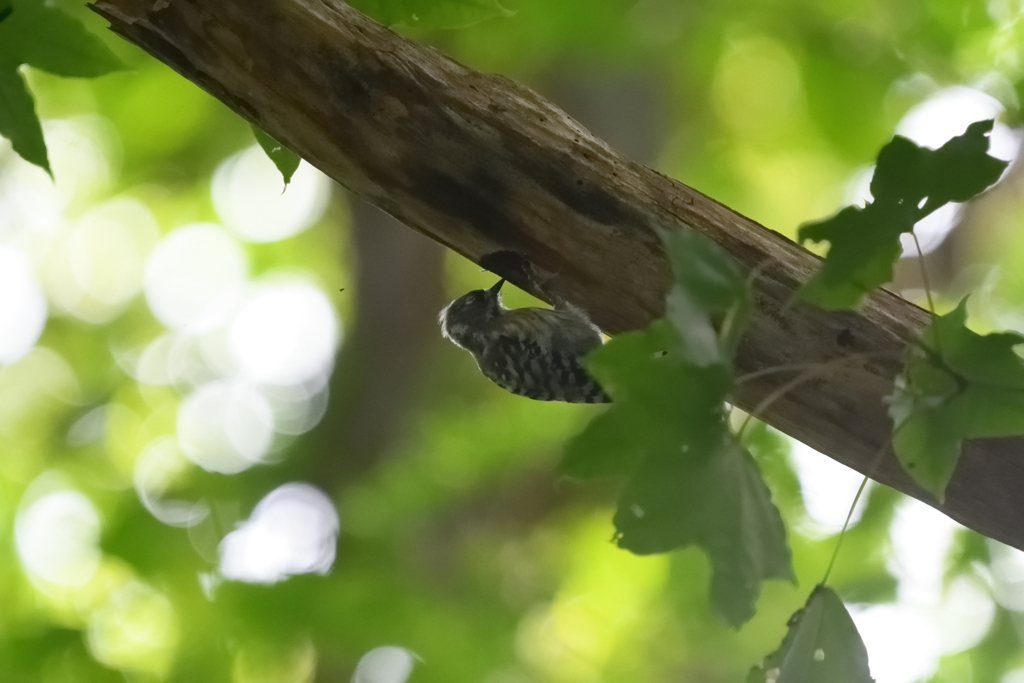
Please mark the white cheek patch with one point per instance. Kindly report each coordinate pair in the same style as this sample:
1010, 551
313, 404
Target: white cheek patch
456, 331
442, 317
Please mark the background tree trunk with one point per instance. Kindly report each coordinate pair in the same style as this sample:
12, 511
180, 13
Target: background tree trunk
490, 169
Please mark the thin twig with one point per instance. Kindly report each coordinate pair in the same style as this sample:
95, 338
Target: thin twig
927, 287
814, 364
771, 398
876, 461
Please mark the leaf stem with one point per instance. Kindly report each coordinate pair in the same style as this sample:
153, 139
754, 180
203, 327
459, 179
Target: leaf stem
876, 461
927, 285
810, 373
808, 365
924, 273
842, 533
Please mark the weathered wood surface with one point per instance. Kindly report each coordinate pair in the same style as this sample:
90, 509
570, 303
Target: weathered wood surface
484, 165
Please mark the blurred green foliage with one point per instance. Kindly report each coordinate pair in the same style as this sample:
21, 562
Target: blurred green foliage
462, 545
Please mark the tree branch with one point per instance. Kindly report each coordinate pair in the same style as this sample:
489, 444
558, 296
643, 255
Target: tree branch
490, 169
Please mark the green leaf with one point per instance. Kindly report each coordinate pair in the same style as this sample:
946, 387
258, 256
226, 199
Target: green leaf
659, 400
708, 286
822, 646
898, 173
711, 494
33, 33
956, 385
909, 183
286, 160
18, 120
962, 167
431, 13
907, 174
47, 38
865, 243
690, 482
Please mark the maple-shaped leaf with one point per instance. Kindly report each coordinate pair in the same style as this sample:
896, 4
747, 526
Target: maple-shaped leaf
821, 646
956, 385
689, 481
708, 492
659, 400
909, 183
865, 243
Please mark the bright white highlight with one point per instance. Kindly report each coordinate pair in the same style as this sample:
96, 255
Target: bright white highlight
388, 664
965, 615
22, 306
947, 114
156, 469
80, 150
293, 530
247, 196
297, 407
57, 537
286, 333
225, 427
921, 538
905, 639
1008, 572
194, 277
29, 199
827, 488
901, 643
95, 267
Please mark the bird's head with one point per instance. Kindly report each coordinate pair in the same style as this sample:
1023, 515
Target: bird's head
469, 314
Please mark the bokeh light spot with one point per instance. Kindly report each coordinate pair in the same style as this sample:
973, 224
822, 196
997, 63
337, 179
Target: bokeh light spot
95, 267
293, 530
157, 468
57, 536
297, 407
225, 427
136, 630
22, 306
248, 198
884, 630
286, 333
195, 277
1008, 572
947, 114
827, 488
387, 664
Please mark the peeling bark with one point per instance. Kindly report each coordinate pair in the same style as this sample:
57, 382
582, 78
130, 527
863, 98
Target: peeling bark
488, 168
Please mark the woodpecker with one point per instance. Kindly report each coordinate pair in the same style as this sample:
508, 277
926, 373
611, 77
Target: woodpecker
533, 352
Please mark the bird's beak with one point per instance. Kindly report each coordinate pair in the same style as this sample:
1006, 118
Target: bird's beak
497, 287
